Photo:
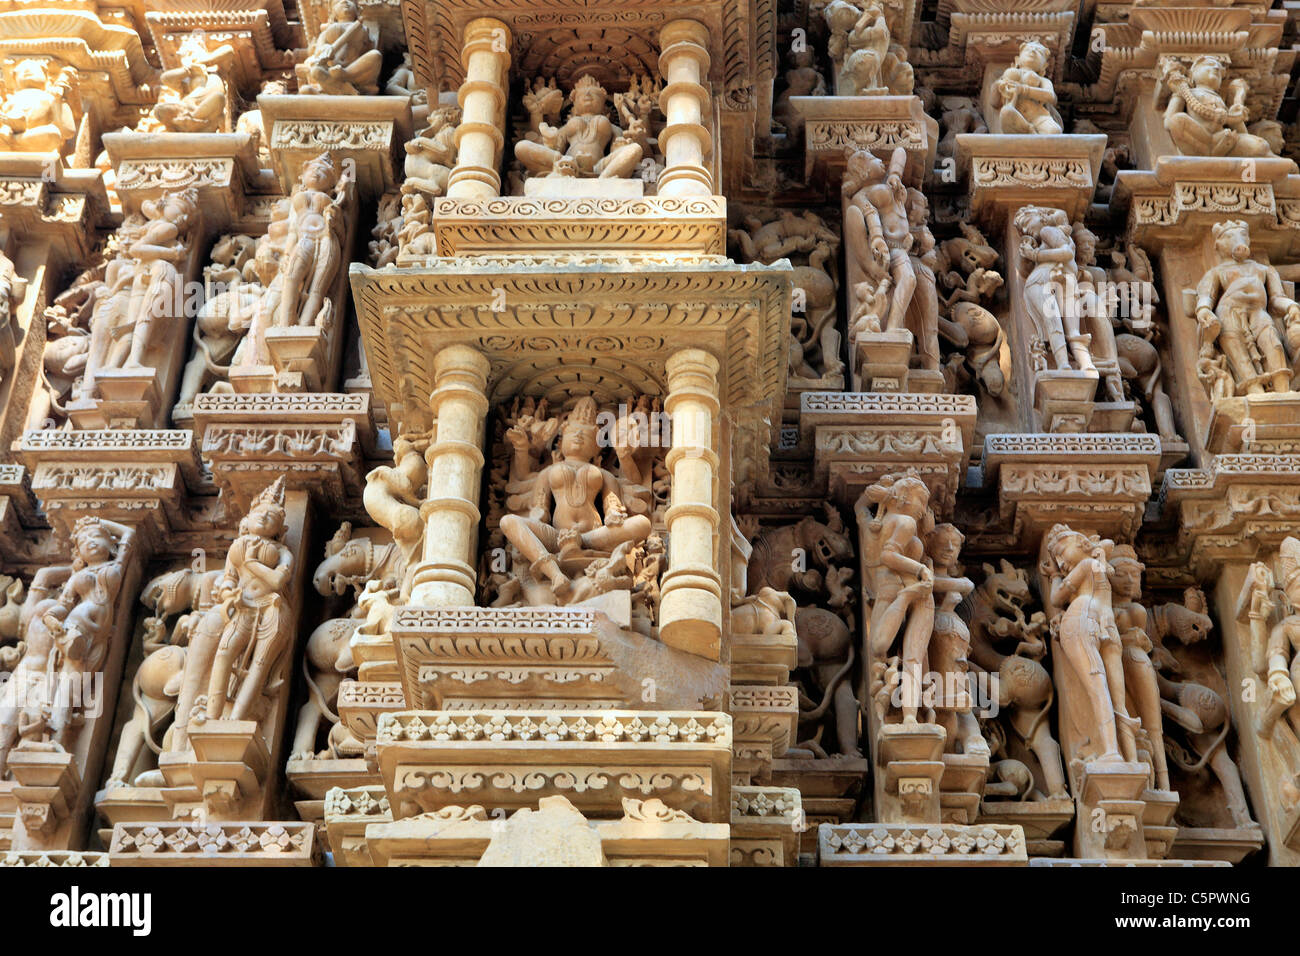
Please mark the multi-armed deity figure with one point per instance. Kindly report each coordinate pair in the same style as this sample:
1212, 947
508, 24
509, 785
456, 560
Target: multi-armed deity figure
576, 509
67, 622
36, 117
1236, 302
343, 59
867, 61
1199, 120
1049, 256
1024, 97
587, 145
1076, 573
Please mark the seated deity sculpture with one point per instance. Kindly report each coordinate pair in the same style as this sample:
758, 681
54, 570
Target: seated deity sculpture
193, 95
867, 61
35, 116
1024, 97
343, 60
431, 154
576, 509
1236, 302
1199, 120
587, 145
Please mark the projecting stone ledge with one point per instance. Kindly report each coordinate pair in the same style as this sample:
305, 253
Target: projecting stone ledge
921, 844
458, 658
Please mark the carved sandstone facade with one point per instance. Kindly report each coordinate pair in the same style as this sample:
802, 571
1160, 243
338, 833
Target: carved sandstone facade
751, 433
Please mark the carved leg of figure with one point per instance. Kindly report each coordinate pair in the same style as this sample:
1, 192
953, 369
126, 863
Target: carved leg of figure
234, 639
1140, 681
536, 157
255, 681
535, 541
296, 275
968, 731
198, 664
1163, 410
846, 720
1084, 656
1271, 348
904, 277
927, 332
326, 259
1240, 360
620, 163
1112, 653
363, 72
1230, 779
635, 528
1048, 752
916, 640
1188, 135
884, 628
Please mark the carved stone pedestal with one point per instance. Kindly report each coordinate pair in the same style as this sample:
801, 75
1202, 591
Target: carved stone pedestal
860, 436
367, 130
835, 126
431, 760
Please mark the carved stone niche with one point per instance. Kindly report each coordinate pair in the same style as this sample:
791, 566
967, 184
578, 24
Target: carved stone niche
1102, 481
366, 131
261, 36
1144, 64
1200, 214
858, 437
23, 292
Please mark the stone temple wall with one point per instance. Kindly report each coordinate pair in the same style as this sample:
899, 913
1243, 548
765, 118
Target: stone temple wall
743, 432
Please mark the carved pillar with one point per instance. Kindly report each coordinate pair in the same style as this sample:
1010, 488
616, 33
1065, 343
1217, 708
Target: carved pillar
446, 576
684, 66
690, 615
480, 136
